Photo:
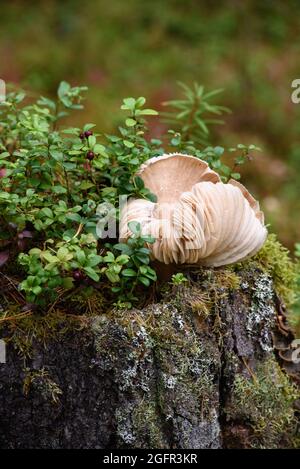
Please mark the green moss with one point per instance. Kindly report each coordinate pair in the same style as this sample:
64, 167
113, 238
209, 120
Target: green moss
167, 333
266, 401
227, 278
164, 336
274, 259
88, 301
24, 332
204, 290
41, 381
145, 418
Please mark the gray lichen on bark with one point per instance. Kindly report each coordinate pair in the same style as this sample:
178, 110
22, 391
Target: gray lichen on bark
174, 374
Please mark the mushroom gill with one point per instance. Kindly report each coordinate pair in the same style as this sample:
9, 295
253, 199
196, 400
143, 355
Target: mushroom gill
197, 219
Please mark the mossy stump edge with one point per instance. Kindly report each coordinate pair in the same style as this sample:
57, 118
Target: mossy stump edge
200, 369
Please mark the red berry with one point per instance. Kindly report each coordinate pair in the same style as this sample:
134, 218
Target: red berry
87, 133
90, 155
82, 135
77, 275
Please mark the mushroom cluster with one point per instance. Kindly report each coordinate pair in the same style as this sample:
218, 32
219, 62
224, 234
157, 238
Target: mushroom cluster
197, 219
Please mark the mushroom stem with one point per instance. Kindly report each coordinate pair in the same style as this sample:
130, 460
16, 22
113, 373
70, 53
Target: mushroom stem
164, 271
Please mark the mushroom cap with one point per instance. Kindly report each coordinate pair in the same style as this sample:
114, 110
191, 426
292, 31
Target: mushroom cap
253, 203
167, 176
197, 219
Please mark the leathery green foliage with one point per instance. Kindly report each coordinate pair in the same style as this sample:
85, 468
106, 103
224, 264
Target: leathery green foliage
202, 292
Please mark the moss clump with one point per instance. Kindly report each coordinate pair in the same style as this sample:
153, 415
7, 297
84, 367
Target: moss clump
41, 381
266, 401
145, 417
24, 332
87, 301
205, 288
162, 356
274, 259
161, 333
23, 324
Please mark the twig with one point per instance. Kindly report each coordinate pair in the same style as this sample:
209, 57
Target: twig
18, 316
249, 370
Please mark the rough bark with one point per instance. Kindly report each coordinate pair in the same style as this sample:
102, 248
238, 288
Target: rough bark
197, 370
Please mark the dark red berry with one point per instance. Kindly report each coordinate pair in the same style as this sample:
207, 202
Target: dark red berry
87, 133
82, 135
90, 155
77, 275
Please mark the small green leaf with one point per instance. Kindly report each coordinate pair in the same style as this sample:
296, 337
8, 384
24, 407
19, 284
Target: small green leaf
49, 257
88, 127
148, 239
145, 281
235, 175
240, 160
140, 101
92, 141
64, 255
100, 149
92, 274
128, 144
46, 211
73, 217
128, 104
143, 258
59, 190
35, 251
139, 182
84, 185
68, 283
151, 274
112, 276
130, 122
80, 255
135, 227
218, 151
129, 273
109, 257
122, 259
63, 88
57, 155
95, 260
147, 112
37, 290
124, 248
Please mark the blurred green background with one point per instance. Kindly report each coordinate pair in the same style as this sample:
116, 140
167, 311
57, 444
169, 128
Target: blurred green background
125, 48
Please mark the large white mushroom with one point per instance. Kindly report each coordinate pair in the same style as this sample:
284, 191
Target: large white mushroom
197, 219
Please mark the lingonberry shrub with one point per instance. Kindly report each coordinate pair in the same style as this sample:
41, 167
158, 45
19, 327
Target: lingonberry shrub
54, 178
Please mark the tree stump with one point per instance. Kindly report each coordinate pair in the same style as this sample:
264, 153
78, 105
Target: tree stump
199, 369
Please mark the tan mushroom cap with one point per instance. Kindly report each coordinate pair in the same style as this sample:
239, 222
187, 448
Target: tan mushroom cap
197, 219
167, 176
